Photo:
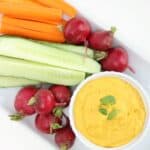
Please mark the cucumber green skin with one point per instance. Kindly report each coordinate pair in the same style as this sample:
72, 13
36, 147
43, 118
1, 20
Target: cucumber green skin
71, 48
40, 72
6, 81
29, 50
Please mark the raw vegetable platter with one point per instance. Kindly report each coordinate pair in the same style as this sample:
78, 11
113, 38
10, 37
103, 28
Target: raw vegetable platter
24, 135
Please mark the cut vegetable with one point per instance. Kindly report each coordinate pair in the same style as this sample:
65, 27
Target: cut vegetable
77, 49
61, 22
71, 48
13, 30
7, 81
61, 4
30, 11
36, 71
31, 29
15, 0
32, 25
29, 50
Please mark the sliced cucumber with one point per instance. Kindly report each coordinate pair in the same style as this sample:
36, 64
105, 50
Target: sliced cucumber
71, 48
6, 81
29, 50
40, 72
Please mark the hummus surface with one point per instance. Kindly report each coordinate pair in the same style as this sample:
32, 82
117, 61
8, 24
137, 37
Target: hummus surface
95, 127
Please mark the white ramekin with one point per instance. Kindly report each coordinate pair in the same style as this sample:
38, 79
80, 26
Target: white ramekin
135, 84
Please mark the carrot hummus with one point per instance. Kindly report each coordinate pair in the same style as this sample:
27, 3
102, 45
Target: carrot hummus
109, 112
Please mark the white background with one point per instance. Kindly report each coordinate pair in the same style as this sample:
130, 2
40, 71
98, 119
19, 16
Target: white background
132, 19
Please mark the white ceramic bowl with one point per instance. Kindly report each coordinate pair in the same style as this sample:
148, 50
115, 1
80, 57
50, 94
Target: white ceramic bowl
135, 84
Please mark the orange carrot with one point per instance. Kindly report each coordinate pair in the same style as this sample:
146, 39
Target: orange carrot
60, 4
62, 22
13, 30
30, 11
31, 25
52, 22
14, 0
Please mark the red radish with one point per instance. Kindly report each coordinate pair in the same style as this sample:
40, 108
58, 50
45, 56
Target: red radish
77, 30
21, 102
102, 40
65, 138
44, 101
47, 123
62, 93
117, 60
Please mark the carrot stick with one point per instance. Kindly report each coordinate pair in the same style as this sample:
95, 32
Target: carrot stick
52, 22
14, 0
60, 4
13, 30
30, 11
32, 25
62, 22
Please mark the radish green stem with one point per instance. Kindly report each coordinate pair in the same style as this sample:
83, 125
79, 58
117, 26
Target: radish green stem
113, 29
58, 111
63, 147
16, 117
32, 101
100, 55
56, 126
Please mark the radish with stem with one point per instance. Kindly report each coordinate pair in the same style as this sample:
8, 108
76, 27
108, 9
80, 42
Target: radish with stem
44, 101
62, 93
117, 60
47, 123
102, 40
21, 103
77, 30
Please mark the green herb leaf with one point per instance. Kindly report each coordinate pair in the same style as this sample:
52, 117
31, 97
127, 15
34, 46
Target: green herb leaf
108, 100
103, 111
113, 114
